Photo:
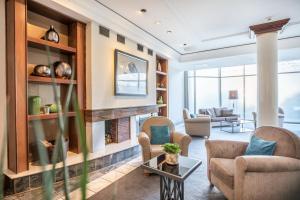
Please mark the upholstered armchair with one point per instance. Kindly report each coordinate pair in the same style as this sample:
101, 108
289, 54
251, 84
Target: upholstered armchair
149, 151
256, 177
199, 126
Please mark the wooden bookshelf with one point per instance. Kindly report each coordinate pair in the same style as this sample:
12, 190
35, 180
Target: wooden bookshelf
162, 85
24, 45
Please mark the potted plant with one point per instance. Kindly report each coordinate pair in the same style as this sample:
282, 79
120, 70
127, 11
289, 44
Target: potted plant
172, 153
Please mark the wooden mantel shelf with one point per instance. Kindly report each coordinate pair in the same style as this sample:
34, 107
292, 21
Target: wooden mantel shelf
115, 113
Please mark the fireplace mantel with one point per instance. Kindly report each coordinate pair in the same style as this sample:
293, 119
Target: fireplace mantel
115, 113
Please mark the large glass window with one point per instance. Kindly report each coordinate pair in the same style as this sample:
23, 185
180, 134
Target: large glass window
210, 88
229, 84
289, 90
207, 92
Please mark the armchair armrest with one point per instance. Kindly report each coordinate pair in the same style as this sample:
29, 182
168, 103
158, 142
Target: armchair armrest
224, 148
267, 164
144, 141
183, 140
198, 120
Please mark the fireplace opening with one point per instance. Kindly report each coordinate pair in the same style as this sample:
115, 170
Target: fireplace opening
117, 130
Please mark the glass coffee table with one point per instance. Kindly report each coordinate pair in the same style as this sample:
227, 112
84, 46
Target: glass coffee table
172, 176
235, 126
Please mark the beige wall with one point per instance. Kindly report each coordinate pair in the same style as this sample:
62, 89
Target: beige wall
2, 73
100, 71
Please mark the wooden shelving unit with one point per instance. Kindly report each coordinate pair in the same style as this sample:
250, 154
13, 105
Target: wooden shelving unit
162, 85
25, 46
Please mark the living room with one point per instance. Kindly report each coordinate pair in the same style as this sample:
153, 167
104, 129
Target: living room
111, 99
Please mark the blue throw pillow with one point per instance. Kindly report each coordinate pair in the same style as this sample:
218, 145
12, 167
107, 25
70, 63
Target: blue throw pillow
160, 134
193, 116
259, 146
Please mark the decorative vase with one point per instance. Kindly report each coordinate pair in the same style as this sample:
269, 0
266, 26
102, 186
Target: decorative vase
62, 69
41, 70
52, 35
158, 67
160, 100
35, 105
172, 159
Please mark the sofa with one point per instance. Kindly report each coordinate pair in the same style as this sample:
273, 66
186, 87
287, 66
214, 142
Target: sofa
217, 115
198, 126
241, 177
148, 150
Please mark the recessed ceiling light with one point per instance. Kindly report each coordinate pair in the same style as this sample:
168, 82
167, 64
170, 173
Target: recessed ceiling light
169, 32
157, 22
143, 10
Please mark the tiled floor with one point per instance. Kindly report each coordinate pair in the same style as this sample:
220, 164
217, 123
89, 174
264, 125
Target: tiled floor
97, 181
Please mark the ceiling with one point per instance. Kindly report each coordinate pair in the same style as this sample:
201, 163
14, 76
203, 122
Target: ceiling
205, 24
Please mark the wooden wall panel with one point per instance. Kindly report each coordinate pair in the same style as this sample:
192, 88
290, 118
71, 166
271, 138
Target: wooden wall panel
77, 40
16, 48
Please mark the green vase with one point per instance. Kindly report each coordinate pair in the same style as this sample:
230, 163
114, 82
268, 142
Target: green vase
35, 103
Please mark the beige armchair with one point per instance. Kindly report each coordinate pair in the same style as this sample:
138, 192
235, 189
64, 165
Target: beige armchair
149, 151
199, 126
256, 177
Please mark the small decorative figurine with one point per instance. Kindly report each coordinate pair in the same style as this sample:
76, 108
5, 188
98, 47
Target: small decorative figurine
158, 67
52, 35
160, 100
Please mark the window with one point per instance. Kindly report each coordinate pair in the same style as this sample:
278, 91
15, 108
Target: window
207, 94
210, 87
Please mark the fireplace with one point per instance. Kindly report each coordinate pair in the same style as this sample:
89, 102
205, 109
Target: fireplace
117, 130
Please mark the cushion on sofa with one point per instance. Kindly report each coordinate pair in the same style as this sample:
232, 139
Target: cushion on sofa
227, 112
218, 111
258, 146
223, 169
211, 112
203, 111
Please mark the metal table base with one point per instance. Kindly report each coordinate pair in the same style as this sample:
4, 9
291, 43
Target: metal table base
171, 189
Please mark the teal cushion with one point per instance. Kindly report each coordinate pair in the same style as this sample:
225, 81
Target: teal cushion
160, 134
258, 146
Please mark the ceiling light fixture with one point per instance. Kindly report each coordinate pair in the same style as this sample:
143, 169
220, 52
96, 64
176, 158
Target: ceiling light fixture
143, 10
157, 22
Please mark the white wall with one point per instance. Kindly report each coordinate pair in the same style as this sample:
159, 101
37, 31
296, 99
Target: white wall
176, 94
100, 71
2, 74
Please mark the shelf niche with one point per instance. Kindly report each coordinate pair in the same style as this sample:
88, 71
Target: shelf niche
24, 33
162, 85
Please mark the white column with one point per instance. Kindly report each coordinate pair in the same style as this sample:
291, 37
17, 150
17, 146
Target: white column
267, 79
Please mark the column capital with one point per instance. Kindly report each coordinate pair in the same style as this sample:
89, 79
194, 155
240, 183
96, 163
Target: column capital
269, 27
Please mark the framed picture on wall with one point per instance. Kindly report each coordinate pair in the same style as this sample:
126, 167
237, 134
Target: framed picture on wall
131, 75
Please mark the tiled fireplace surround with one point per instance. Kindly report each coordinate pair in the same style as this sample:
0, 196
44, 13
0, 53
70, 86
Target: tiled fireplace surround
100, 156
